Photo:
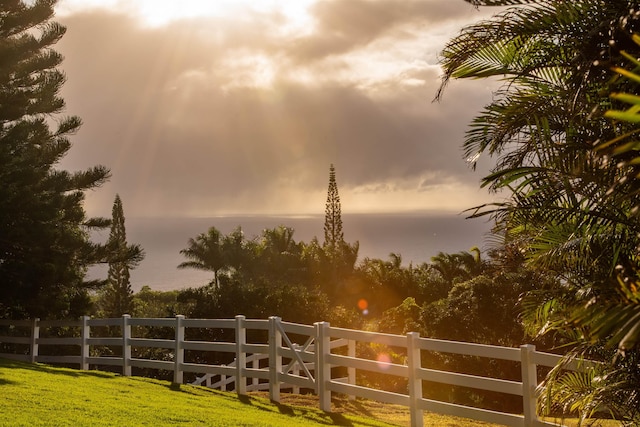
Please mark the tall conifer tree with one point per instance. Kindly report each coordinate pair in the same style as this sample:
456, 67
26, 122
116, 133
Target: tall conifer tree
44, 239
333, 236
339, 257
118, 296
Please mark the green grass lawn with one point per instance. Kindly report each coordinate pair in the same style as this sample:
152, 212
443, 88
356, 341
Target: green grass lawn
40, 395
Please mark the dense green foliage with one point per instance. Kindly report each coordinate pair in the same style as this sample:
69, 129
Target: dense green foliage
44, 246
259, 277
570, 211
620, 319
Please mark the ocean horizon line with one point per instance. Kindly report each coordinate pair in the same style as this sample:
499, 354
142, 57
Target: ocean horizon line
427, 212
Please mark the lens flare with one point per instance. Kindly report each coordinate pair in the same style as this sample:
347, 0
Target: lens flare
383, 360
363, 304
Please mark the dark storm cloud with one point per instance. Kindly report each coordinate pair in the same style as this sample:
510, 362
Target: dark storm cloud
176, 114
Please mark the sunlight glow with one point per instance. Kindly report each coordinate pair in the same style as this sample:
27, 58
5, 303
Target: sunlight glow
250, 63
248, 70
162, 12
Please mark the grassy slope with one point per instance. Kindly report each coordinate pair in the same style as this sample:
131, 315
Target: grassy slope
40, 395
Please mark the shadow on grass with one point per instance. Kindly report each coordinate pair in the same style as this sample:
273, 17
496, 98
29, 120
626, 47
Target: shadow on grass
339, 419
328, 418
12, 364
333, 419
245, 399
268, 406
357, 406
284, 409
196, 390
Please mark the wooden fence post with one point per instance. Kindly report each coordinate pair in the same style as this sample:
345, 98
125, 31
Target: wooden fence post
351, 371
415, 383
529, 384
85, 334
126, 345
241, 355
35, 336
255, 365
323, 368
178, 359
295, 389
275, 359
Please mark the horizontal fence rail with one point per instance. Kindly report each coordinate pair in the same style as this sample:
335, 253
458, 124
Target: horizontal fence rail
277, 363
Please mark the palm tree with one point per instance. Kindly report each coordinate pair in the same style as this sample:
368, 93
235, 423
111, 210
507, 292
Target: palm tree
385, 284
205, 253
239, 253
458, 267
472, 262
279, 240
384, 273
448, 266
620, 320
554, 58
280, 257
541, 128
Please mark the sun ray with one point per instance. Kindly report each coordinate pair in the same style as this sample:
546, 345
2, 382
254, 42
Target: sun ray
162, 12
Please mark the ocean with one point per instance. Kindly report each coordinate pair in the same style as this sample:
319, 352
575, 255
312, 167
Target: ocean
415, 236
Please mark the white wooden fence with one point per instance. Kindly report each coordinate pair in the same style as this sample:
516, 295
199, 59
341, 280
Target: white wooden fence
307, 365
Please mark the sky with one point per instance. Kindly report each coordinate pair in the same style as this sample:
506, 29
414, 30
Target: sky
205, 108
